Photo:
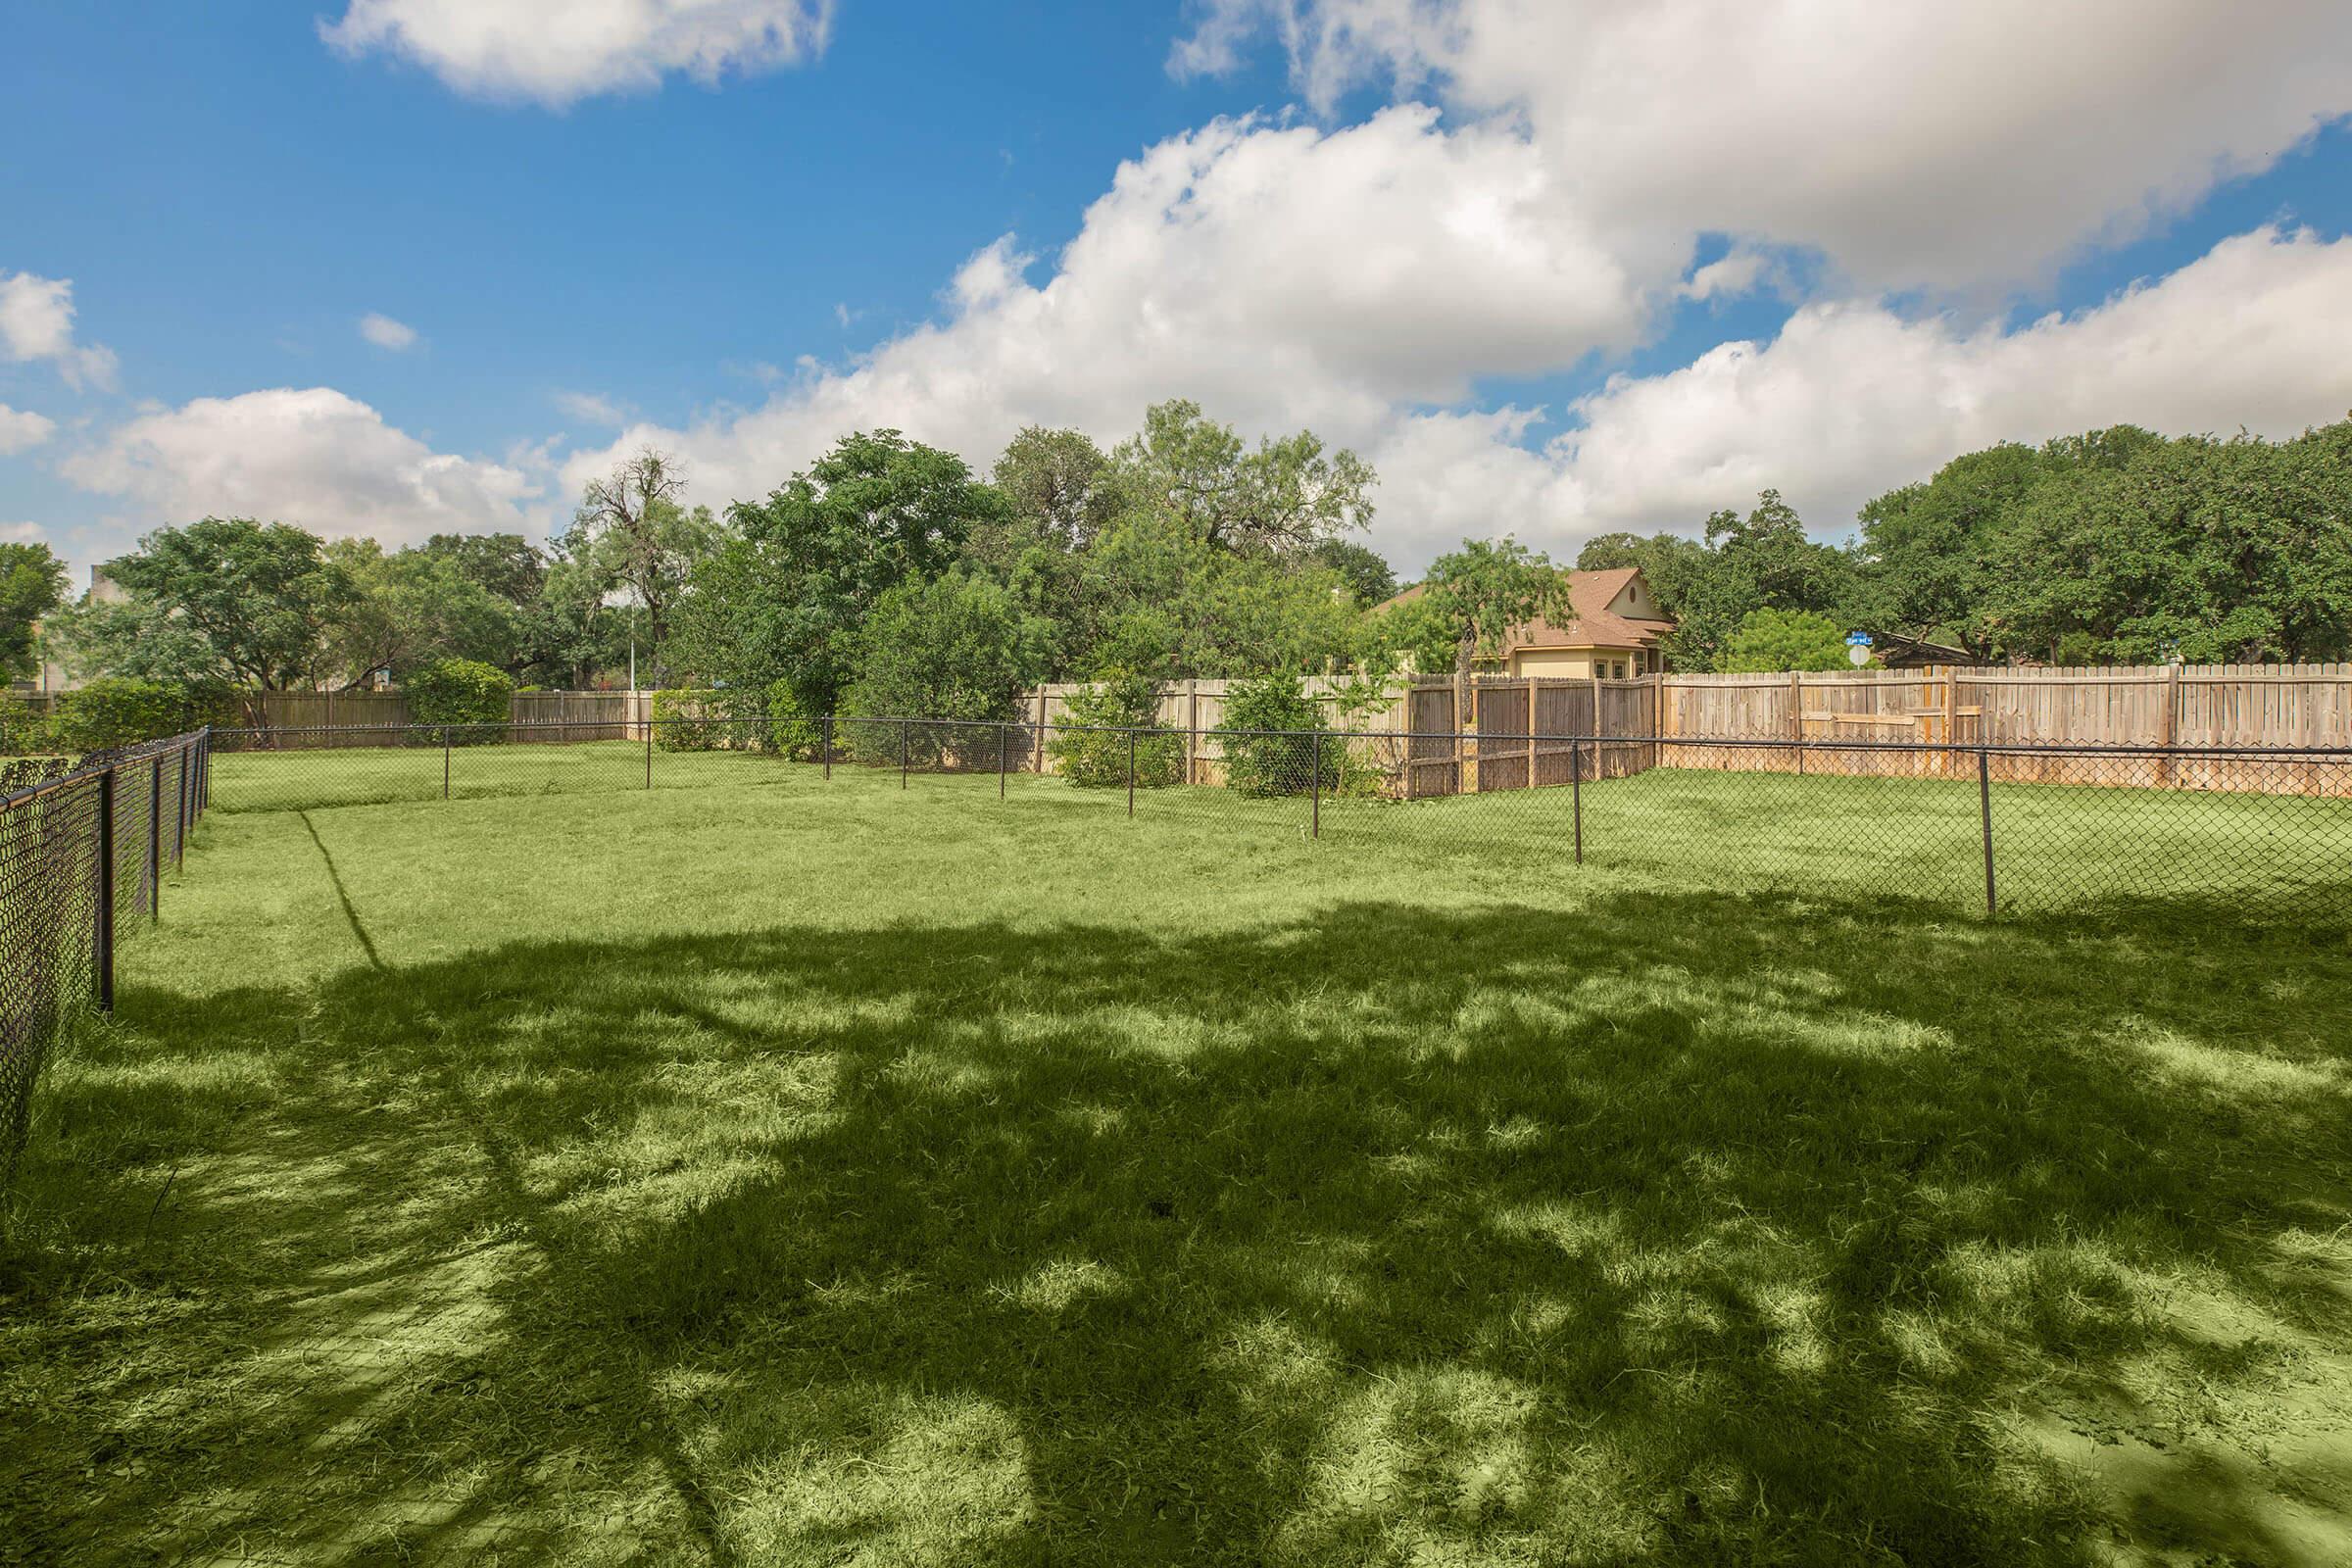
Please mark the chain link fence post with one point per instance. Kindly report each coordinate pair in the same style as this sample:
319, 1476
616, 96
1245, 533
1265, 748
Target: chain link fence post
102, 931
154, 839
1315, 829
1004, 739
824, 743
649, 749
1984, 815
1131, 772
1576, 795
905, 749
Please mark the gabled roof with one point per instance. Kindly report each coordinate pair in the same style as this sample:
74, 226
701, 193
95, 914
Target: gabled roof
1591, 623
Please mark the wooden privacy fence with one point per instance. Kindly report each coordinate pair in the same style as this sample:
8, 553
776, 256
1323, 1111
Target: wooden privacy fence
1513, 737
1196, 709
2265, 706
318, 720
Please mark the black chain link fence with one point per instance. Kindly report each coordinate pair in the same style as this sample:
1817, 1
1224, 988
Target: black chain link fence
84, 845
1989, 827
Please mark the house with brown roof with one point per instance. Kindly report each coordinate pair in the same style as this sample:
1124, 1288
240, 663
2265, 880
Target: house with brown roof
1613, 629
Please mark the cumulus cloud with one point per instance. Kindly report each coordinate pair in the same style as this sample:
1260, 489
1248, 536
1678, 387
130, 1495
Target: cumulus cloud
36, 322
559, 54
1283, 275
386, 333
1915, 146
20, 430
312, 457
1851, 398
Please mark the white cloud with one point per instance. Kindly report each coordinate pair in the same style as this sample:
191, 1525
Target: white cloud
36, 322
1915, 145
590, 408
558, 54
1851, 399
311, 457
1734, 275
1283, 275
386, 333
23, 533
20, 430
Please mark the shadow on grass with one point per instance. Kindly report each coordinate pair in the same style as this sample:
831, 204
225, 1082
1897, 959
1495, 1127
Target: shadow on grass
1681, 1228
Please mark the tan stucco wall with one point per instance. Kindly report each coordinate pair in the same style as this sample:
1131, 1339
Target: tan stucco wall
1571, 662
1634, 600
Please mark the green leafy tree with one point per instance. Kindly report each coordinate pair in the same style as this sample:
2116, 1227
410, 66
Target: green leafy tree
1060, 493
33, 583
953, 648
1786, 639
1472, 597
632, 533
226, 601
572, 634
415, 606
1170, 604
1286, 495
1370, 580
506, 565
1926, 556
1763, 560
786, 596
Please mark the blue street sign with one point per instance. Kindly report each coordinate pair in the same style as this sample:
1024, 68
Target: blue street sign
1857, 639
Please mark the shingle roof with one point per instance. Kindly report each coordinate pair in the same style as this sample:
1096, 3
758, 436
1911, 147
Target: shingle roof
1593, 624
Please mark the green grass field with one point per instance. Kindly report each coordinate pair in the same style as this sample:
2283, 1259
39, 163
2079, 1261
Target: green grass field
2056, 847
788, 1171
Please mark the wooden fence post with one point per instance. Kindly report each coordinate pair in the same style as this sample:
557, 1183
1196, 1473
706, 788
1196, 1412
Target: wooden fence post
1531, 731
1951, 713
2168, 726
1797, 716
1192, 731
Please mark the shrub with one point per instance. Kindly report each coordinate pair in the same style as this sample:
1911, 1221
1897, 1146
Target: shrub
687, 721
118, 712
765, 719
469, 696
791, 730
1097, 757
23, 730
1786, 639
1264, 764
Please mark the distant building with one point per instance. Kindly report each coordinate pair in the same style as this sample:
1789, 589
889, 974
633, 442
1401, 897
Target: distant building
52, 676
1614, 630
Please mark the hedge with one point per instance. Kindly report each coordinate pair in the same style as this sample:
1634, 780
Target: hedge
471, 697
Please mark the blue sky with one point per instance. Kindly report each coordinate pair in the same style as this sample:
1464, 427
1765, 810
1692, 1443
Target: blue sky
740, 266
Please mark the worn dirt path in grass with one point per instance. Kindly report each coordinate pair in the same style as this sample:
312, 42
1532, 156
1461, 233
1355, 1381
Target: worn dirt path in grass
370, 1373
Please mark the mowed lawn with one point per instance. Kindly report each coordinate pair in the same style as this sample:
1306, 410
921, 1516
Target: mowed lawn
776, 1170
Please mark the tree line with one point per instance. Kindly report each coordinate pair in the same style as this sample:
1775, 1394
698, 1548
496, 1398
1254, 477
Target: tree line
889, 576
